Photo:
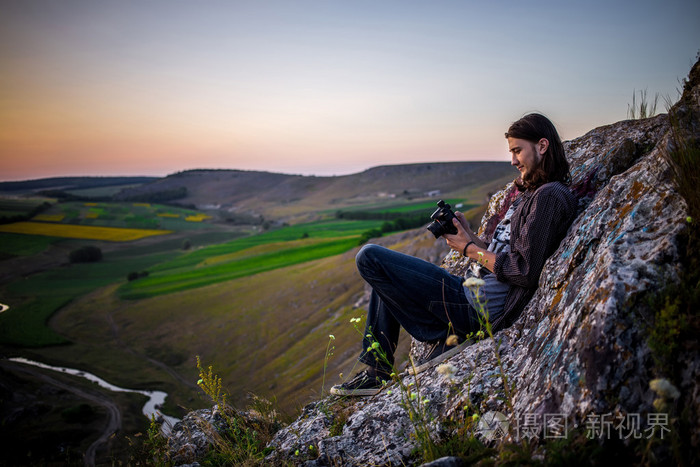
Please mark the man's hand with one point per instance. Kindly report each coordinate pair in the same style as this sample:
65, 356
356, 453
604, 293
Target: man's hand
470, 233
463, 220
459, 240
477, 250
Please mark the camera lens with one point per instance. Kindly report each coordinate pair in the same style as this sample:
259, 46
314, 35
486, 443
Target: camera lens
436, 229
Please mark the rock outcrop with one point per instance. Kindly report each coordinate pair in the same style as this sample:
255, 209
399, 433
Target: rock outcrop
578, 352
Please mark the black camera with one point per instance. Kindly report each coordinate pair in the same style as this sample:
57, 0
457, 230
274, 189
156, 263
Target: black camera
442, 220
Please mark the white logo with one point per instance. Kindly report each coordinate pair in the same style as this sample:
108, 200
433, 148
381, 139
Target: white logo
493, 425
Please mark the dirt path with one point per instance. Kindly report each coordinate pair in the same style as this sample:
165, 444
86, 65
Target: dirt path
114, 416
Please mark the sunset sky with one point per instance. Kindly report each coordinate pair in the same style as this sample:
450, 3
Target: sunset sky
319, 87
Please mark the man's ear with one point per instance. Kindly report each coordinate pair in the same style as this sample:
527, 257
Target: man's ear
542, 146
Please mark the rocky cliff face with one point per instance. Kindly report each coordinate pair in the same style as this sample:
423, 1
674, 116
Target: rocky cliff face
578, 353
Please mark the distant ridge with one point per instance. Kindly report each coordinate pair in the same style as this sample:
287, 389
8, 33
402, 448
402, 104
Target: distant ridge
285, 197
281, 195
71, 183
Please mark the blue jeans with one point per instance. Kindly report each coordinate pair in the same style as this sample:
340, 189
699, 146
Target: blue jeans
424, 299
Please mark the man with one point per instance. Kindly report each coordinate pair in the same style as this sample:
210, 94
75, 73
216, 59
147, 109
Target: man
430, 303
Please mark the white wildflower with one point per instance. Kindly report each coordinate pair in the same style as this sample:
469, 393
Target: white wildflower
447, 369
473, 282
664, 388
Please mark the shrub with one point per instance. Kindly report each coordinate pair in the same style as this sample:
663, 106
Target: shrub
82, 413
368, 234
132, 276
85, 254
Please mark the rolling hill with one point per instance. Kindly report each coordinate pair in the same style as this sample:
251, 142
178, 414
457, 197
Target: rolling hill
293, 197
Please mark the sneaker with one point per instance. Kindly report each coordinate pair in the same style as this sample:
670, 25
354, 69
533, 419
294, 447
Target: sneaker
365, 383
438, 354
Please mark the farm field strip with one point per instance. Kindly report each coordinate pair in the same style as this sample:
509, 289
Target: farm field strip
114, 234
233, 266
317, 230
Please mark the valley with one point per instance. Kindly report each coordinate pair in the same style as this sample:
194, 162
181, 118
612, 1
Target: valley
251, 272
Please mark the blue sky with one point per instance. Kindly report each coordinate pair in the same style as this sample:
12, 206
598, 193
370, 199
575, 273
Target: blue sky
317, 87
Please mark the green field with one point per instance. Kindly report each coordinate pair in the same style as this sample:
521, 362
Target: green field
249, 255
33, 300
317, 230
23, 245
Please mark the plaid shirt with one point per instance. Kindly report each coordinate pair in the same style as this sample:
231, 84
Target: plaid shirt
538, 225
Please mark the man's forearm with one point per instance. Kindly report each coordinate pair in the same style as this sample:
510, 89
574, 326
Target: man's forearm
477, 240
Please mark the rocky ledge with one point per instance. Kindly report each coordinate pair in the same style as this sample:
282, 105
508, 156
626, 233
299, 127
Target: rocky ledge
578, 359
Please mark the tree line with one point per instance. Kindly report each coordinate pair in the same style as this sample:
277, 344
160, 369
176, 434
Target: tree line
393, 221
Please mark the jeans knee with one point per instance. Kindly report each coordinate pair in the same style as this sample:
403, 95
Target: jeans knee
366, 256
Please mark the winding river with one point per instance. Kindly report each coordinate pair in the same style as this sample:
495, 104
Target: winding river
155, 398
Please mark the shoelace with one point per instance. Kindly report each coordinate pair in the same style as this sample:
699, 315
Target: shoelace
364, 374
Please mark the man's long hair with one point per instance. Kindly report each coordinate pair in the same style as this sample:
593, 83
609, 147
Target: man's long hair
554, 166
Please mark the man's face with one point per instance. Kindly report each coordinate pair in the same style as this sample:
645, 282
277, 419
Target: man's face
526, 155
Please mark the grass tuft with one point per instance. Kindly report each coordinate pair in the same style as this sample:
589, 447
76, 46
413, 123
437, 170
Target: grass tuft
643, 108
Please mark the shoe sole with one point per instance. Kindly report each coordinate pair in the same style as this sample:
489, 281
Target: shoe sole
415, 369
354, 392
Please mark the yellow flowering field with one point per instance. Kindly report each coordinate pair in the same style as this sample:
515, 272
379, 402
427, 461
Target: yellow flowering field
197, 217
113, 234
